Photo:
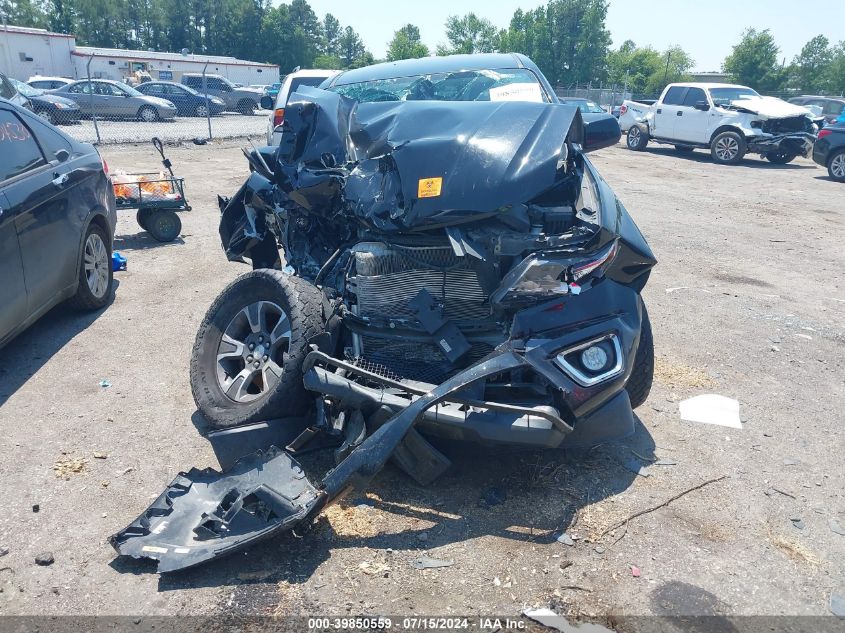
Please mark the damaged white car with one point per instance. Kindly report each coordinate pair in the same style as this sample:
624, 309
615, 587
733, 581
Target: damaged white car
731, 121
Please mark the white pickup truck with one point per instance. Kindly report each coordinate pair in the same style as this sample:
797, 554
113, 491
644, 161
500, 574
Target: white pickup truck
729, 120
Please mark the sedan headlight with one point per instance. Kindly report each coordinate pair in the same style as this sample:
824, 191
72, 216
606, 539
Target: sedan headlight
217, 101
60, 106
169, 104
545, 277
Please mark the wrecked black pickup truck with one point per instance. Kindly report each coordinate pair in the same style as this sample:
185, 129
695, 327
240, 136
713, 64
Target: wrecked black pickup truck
421, 269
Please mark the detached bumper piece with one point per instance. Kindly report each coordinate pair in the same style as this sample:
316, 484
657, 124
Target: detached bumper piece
204, 514
793, 143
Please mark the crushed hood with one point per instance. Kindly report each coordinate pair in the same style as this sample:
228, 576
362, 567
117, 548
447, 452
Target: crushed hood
411, 164
769, 107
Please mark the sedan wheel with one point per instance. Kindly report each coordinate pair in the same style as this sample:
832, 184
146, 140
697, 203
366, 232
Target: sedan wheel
250, 356
836, 167
96, 265
48, 116
148, 114
94, 289
201, 111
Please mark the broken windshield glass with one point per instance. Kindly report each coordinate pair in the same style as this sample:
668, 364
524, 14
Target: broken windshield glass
517, 84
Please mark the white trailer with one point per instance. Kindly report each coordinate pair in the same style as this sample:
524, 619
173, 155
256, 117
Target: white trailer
121, 64
25, 52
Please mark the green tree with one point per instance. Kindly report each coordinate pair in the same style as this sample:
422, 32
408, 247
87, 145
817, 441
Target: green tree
753, 61
810, 67
352, 50
836, 70
284, 41
469, 34
406, 44
331, 35
567, 39
24, 13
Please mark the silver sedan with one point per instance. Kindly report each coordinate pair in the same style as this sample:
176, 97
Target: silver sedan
115, 100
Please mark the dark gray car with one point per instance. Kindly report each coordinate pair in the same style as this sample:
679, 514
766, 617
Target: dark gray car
115, 100
57, 219
243, 100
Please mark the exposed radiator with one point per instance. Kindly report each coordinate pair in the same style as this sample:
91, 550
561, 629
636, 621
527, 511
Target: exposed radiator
389, 277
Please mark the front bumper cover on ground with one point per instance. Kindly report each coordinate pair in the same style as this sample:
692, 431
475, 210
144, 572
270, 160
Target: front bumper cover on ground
204, 514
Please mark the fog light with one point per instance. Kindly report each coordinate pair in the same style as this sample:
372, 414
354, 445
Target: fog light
594, 358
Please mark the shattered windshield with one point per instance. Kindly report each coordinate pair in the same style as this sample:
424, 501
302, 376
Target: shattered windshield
517, 84
724, 96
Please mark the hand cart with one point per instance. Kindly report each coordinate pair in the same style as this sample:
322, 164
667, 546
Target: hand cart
157, 198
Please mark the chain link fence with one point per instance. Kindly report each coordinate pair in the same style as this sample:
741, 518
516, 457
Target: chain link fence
98, 110
607, 97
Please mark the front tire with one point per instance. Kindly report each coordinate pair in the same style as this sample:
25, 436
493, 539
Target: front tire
95, 271
728, 148
246, 365
148, 114
836, 166
48, 116
201, 111
246, 107
780, 158
637, 138
642, 375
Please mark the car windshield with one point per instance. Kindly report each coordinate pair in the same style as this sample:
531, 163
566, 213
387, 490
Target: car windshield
501, 84
724, 96
25, 89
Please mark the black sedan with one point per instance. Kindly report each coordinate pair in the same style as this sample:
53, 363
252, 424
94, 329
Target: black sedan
188, 101
57, 219
829, 151
55, 109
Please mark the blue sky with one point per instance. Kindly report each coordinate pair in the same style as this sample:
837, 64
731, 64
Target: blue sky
706, 29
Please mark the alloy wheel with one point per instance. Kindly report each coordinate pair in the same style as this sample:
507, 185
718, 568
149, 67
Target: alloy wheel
837, 166
96, 258
727, 148
250, 355
634, 136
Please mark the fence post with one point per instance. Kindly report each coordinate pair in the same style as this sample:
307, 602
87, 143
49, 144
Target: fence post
207, 104
91, 97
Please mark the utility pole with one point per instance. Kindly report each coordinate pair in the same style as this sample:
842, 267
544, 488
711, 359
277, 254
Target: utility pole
666, 72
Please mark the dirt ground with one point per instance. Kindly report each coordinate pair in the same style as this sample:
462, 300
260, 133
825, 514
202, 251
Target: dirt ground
747, 301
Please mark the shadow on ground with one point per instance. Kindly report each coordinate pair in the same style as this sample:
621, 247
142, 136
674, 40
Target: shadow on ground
25, 354
141, 241
529, 496
752, 161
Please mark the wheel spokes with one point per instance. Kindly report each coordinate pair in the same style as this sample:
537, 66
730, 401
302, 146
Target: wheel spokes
236, 388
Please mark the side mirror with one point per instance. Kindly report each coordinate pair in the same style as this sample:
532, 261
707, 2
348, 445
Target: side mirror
702, 105
62, 155
601, 132
266, 102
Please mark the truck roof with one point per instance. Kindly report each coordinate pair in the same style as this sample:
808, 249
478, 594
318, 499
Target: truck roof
705, 84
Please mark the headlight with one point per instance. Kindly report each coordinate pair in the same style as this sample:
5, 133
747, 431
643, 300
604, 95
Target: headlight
217, 101
60, 106
544, 277
169, 104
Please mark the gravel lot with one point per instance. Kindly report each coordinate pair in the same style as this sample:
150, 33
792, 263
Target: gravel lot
747, 301
224, 126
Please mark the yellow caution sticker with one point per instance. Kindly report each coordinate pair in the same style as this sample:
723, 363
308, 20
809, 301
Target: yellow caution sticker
429, 187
